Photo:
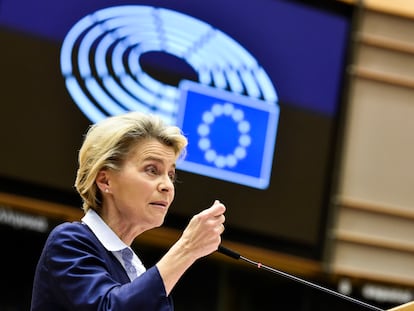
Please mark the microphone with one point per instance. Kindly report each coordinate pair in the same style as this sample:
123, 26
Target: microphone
232, 254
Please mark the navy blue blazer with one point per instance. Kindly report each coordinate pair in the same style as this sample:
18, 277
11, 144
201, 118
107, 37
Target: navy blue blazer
75, 272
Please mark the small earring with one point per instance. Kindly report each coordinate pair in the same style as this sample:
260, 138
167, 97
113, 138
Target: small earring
106, 190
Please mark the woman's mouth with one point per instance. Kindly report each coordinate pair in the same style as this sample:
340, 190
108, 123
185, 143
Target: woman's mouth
161, 204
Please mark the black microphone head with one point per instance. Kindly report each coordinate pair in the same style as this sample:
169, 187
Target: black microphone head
228, 252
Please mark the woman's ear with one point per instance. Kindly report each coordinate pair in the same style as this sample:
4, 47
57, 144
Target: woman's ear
102, 181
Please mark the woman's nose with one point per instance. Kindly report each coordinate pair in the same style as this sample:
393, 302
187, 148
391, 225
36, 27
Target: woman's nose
166, 184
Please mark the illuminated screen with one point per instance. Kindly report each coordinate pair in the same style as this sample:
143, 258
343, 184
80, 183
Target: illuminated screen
255, 85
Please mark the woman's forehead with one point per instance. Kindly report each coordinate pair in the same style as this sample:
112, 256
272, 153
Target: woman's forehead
153, 149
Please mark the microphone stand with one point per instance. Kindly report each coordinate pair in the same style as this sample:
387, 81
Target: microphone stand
234, 255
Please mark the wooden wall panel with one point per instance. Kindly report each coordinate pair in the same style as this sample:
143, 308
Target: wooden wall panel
372, 236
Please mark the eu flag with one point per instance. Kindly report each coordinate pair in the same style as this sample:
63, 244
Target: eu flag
231, 137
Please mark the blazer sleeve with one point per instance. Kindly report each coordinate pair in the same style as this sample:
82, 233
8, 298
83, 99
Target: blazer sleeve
76, 271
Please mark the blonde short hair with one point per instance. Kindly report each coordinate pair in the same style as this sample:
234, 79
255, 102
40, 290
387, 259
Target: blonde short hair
108, 143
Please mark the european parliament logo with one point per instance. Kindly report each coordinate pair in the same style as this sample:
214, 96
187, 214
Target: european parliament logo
230, 115
231, 137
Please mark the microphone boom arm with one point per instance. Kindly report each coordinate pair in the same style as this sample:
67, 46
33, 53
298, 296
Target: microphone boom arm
235, 255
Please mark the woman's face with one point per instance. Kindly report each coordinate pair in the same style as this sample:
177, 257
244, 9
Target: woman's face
140, 194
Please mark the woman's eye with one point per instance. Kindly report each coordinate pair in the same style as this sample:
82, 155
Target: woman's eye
152, 170
172, 176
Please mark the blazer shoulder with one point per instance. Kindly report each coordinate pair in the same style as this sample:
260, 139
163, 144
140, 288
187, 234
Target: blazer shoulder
72, 233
